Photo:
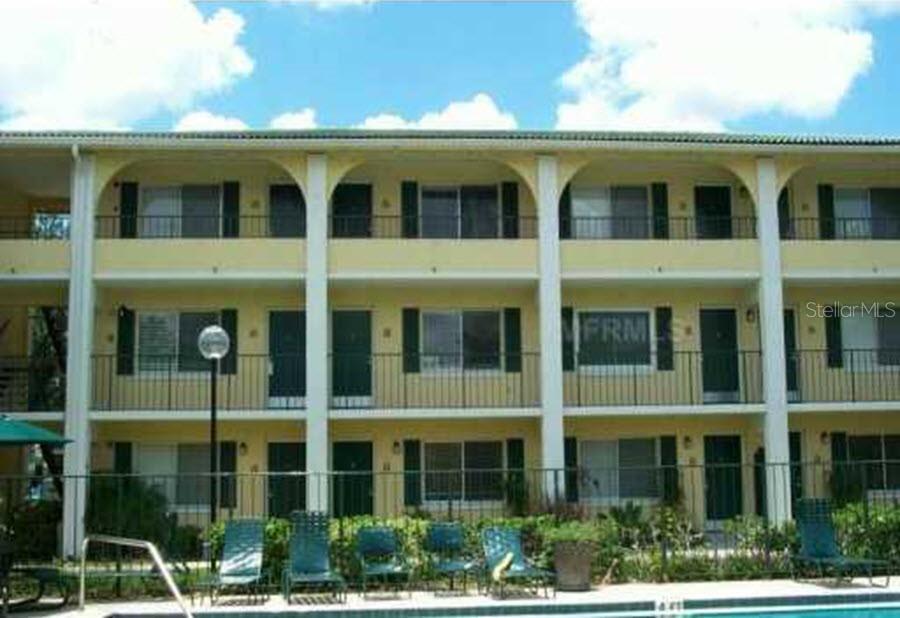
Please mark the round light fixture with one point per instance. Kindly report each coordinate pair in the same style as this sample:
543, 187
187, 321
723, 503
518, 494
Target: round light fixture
213, 342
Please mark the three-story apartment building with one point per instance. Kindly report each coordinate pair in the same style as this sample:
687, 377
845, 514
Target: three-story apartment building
456, 301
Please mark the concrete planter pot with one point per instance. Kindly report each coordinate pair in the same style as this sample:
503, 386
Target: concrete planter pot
572, 561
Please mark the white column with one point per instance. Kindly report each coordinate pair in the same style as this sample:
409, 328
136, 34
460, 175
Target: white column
317, 327
771, 313
76, 463
550, 309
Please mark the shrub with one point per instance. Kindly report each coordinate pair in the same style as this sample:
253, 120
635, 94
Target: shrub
33, 529
869, 531
128, 507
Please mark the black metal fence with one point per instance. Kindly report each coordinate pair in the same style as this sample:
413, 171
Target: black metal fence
189, 226
476, 226
30, 383
848, 375
674, 228
841, 228
35, 227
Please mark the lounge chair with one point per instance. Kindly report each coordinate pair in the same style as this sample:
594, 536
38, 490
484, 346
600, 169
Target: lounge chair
444, 545
309, 563
242, 559
505, 563
380, 558
819, 547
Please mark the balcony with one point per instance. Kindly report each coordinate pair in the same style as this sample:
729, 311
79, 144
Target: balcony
657, 228
31, 384
841, 228
185, 226
35, 246
846, 376
677, 379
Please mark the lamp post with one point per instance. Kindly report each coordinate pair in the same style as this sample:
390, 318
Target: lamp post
213, 343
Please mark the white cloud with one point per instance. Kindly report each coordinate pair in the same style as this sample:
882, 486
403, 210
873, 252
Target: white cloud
329, 5
480, 112
202, 120
700, 65
302, 119
75, 64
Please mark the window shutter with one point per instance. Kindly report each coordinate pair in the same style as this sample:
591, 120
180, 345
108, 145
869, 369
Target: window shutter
840, 468
128, 205
665, 355
668, 459
410, 340
412, 478
570, 459
122, 458
512, 339
510, 197
301, 362
125, 342
659, 192
229, 321
833, 343
826, 211
228, 467
568, 339
515, 474
231, 209
565, 213
409, 207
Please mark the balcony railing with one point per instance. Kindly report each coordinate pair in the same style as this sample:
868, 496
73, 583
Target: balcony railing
433, 227
251, 382
168, 227
668, 228
680, 378
410, 381
843, 376
31, 384
36, 227
841, 228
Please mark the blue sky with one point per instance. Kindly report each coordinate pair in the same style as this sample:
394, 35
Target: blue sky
795, 66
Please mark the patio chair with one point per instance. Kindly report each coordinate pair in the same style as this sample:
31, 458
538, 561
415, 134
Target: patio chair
380, 557
505, 563
242, 559
309, 564
444, 545
819, 547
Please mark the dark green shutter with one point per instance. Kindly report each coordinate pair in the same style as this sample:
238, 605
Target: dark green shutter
228, 468
128, 206
516, 488
412, 466
410, 340
231, 209
668, 459
570, 459
125, 342
660, 197
665, 355
229, 319
826, 211
568, 339
795, 454
565, 213
122, 458
833, 344
840, 468
512, 339
510, 196
409, 208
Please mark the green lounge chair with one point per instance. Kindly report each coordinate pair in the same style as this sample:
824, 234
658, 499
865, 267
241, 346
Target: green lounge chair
445, 547
380, 558
309, 563
819, 547
242, 559
505, 563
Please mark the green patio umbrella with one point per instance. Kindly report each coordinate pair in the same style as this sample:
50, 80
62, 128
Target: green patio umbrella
20, 433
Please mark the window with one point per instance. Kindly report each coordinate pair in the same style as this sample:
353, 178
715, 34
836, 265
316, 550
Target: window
621, 469
460, 212
876, 460
167, 341
189, 211
460, 340
871, 341
852, 213
180, 472
614, 338
470, 471
610, 212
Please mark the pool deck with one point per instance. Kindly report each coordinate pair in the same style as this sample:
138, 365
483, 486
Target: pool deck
758, 592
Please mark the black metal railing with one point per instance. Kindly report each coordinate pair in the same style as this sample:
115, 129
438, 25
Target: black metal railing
659, 379
35, 227
843, 375
841, 228
31, 384
667, 228
184, 226
249, 382
409, 381
433, 226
